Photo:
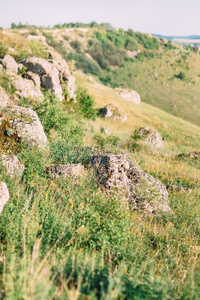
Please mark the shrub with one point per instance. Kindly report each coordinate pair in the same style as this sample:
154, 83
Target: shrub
84, 63
3, 49
37, 49
181, 75
76, 45
85, 104
5, 83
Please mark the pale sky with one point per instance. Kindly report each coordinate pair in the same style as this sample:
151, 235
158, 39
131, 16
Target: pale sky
167, 17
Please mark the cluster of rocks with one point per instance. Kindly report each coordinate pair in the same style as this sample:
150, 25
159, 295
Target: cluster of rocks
129, 95
40, 73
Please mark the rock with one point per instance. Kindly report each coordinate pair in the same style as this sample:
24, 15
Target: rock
66, 171
105, 130
22, 124
175, 188
193, 154
12, 165
49, 75
150, 136
4, 195
9, 64
34, 77
142, 191
113, 112
4, 98
26, 88
129, 95
71, 87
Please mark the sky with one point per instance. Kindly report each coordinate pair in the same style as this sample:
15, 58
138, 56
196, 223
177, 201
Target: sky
166, 17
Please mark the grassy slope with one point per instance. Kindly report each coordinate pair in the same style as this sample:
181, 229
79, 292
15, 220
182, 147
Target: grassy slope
179, 135
180, 98
65, 239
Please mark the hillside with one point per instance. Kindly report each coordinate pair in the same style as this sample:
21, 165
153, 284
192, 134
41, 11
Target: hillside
89, 207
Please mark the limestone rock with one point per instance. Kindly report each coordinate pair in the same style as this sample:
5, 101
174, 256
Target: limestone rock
175, 188
71, 87
22, 123
4, 98
143, 191
48, 73
9, 64
12, 165
129, 95
150, 136
4, 195
66, 171
113, 112
34, 77
26, 88
194, 154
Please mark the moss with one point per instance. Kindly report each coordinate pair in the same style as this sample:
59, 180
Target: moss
9, 140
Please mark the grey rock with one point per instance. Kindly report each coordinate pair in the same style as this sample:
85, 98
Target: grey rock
111, 111
12, 165
66, 171
26, 88
34, 77
193, 154
4, 98
4, 195
48, 73
9, 64
25, 124
129, 95
151, 137
142, 191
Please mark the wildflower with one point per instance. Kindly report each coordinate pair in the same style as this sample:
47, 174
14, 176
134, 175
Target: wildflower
71, 204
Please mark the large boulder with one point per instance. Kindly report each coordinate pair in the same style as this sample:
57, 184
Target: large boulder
4, 195
111, 111
150, 136
26, 88
21, 124
9, 64
129, 95
12, 165
142, 191
4, 98
49, 75
65, 171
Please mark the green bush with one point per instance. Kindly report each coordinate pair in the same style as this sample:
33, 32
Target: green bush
5, 83
3, 49
76, 45
181, 75
85, 104
84, 63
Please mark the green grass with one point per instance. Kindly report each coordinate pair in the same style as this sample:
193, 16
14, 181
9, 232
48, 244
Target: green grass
67, 239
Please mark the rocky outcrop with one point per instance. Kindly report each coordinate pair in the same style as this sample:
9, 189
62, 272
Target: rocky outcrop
4, 98
111, 111
143, 191
4, 195
193, 154
71, 88
65, 171
12, 165
34, 77
150, 136
49, 75
26, 88
129, 95
9, 64
22, 124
